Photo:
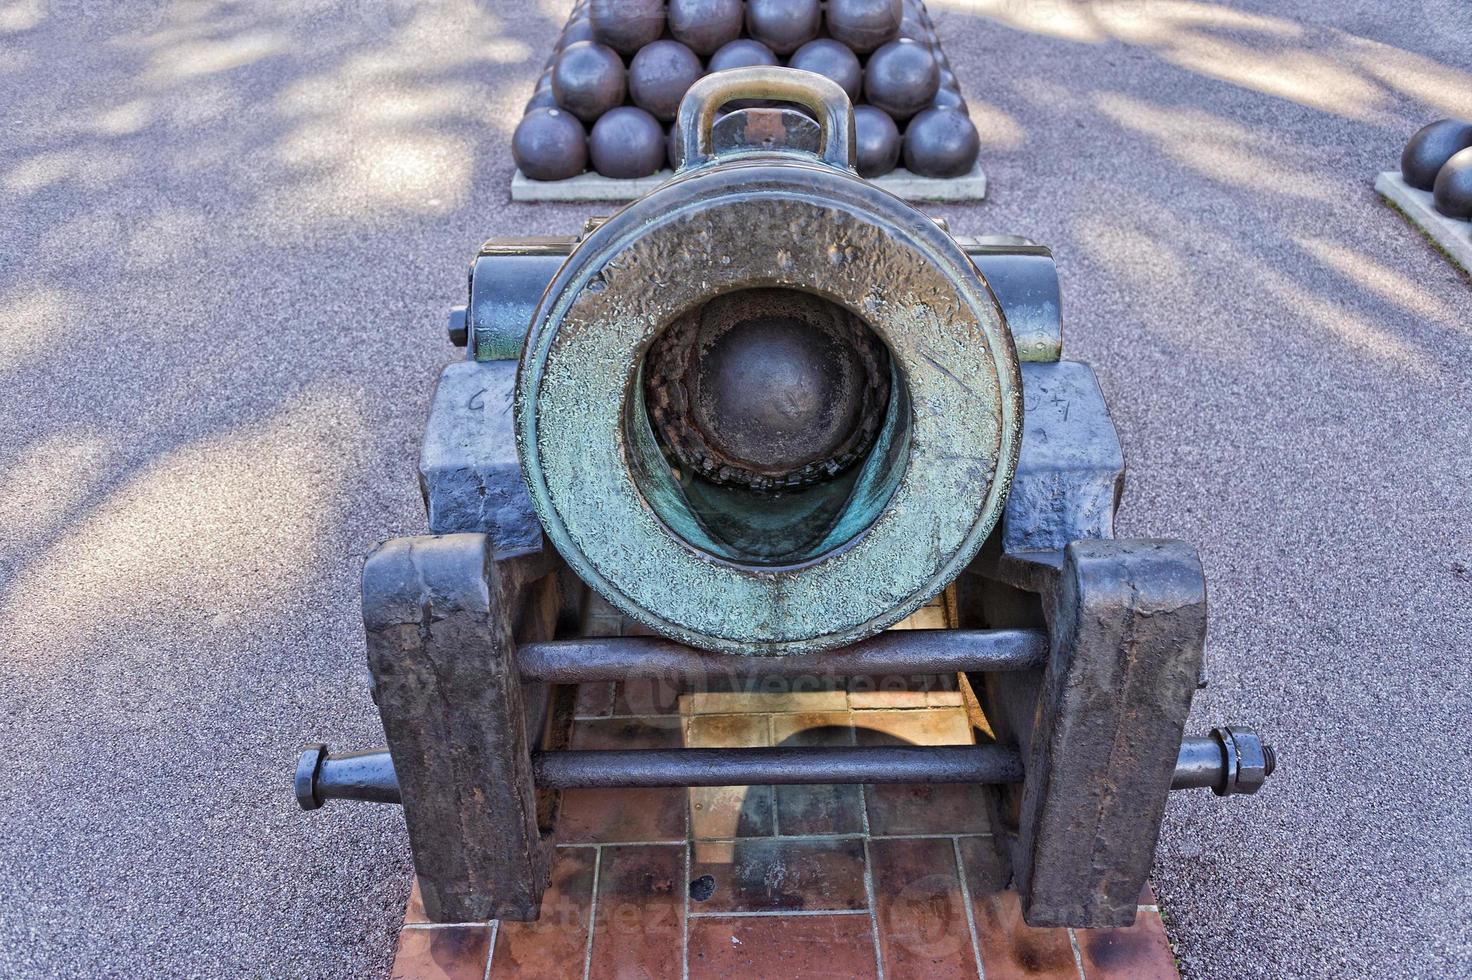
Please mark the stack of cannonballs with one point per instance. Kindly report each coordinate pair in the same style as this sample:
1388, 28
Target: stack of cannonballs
610, 91
1439, 159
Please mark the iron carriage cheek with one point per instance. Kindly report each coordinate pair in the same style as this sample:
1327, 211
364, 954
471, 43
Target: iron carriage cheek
769, 410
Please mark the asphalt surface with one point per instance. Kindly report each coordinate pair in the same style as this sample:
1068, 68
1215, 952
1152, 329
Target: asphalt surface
228, 237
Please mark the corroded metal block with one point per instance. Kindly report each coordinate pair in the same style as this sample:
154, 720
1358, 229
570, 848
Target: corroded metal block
468, 470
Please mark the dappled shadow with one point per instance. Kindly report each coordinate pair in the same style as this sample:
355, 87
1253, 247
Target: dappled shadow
1316, 66
231, 233
1285, 359
220, 134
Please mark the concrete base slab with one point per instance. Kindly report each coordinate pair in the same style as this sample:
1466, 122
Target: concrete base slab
1452, 236
595, 187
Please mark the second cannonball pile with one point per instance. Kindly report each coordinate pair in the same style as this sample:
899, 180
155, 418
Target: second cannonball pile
609, 93
1439, 159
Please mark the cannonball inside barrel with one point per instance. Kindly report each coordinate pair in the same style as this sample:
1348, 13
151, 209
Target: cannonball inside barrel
660, 75
627, 142
705, 25
831, 59
627, 25
588, 80
550, 144
783, 25
901, 78
876, 141
1432, 146
863, 25
941, 143
1452, 192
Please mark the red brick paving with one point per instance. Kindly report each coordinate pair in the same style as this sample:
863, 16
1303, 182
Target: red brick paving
781, 947
924, 928
806, 882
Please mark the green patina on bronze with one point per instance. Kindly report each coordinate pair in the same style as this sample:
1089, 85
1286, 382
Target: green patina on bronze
793, 225
911, 515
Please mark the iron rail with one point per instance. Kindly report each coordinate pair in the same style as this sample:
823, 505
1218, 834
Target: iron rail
1221, 761
894, 652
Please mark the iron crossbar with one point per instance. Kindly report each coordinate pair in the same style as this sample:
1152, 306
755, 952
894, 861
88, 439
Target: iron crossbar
893, 652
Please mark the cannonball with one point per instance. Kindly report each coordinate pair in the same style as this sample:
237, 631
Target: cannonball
783, 25
705, 25
949, 98
901, 78
1452, 192
863, 25
575, 31
743, 53
550, 144
941, 143
660, 75
588, 80
542, 98
911, 25
833, 60
627, 142
627, 25
876, 141
1432, 146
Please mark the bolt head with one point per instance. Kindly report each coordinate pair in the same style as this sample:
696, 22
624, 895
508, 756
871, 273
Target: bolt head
308, 764
457, 326
1255, 761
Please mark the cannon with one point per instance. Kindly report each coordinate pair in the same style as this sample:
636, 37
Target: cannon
768, 411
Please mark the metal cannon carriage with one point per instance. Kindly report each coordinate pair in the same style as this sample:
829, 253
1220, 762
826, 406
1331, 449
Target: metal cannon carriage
768, 411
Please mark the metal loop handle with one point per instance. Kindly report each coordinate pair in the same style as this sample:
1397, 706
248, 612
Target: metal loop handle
825, 97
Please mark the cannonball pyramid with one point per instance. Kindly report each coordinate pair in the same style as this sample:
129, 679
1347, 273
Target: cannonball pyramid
607, 97
1433, 189
1439, 159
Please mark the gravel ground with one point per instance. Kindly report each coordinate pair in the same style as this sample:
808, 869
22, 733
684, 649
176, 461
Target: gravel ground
230, 235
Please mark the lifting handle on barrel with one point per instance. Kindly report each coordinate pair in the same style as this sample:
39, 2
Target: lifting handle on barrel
825, 97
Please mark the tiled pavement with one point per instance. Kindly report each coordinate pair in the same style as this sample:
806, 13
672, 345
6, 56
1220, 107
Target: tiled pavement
785, 881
